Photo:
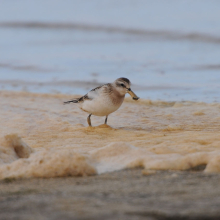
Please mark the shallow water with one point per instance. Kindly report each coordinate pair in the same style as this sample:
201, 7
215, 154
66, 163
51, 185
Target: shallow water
170, 51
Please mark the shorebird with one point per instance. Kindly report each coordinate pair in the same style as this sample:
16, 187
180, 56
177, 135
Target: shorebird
105, 99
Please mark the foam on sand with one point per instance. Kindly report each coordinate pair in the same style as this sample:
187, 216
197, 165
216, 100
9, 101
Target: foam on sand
44, 163
53, 140
117, 156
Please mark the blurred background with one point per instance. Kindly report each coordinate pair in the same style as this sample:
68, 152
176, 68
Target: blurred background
170, 50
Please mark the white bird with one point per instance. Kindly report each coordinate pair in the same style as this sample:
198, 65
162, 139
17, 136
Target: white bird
104, 99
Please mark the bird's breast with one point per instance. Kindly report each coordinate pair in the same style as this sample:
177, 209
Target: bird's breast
102, 106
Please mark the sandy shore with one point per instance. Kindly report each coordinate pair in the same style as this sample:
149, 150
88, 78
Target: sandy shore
41, 137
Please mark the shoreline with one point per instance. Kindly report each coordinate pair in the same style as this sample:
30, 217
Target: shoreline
55, 139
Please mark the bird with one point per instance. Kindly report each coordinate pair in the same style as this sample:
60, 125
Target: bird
105, 99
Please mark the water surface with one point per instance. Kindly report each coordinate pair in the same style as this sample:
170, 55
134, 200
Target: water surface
169, 50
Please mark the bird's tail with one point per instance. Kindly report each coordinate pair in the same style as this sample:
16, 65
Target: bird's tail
73, 101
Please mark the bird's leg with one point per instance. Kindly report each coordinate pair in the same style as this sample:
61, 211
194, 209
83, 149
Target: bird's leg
106, 119
89, 120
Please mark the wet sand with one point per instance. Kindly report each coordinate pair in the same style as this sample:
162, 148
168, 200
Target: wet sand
174, 145
124, 195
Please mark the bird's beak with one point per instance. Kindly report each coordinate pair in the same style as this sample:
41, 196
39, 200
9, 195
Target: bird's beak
132, 94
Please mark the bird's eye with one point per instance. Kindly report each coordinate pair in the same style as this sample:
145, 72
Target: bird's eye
122, 85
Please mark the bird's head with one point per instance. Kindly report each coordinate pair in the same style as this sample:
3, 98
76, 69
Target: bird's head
123, 86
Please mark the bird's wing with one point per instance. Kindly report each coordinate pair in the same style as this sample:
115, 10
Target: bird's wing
106, 88
77, 100
91, 94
